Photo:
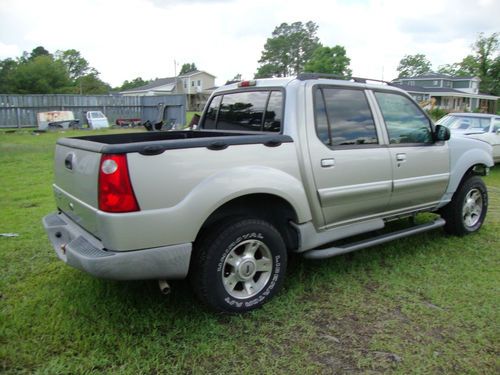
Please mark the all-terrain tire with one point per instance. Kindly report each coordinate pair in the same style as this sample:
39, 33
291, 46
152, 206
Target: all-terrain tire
466, 212
239, 265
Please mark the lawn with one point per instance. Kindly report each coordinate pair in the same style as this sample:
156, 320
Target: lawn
426, 304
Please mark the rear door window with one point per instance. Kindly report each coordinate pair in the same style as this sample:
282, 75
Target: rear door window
344, 118
246, 111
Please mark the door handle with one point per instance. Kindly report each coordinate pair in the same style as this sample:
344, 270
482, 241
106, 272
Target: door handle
327, 163
401, 157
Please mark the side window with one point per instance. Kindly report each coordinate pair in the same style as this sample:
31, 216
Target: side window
211, 114
246, 111
405, 122
343, 118
274, 112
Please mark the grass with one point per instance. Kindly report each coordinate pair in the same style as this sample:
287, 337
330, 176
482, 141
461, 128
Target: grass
425, 304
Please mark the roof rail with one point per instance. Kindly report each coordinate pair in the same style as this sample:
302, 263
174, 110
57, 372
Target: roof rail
308, 76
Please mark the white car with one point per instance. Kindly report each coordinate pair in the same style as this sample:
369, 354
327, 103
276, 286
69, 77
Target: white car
476, 125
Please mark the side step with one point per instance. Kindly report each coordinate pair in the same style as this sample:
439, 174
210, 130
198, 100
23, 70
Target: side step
334, 251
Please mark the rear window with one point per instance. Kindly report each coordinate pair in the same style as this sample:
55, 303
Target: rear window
244, 111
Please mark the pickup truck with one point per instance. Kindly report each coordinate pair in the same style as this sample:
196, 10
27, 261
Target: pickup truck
275, 166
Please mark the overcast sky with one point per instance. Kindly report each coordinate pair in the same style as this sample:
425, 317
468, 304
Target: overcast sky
124, 39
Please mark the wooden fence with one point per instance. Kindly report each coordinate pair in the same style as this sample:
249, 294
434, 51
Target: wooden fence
21, 110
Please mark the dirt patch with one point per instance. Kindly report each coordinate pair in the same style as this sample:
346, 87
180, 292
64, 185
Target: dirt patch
349, 339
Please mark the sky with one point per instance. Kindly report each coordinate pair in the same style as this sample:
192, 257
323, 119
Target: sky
125, 39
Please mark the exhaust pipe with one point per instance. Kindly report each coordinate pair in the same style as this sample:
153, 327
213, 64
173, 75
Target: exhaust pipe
164, 286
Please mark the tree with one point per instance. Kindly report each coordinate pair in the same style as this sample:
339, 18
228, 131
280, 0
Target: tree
483, 63
288, 50
75, 64
38, 51
129, 85
187, 68
41, 75
7, 69
331, 60
413, 65
91, 84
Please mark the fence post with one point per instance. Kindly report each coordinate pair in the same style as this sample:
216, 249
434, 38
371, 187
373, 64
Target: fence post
18, 117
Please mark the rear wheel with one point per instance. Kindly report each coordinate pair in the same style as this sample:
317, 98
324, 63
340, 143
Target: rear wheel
466, 212
239, 266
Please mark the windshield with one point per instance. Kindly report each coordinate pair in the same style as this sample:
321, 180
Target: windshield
465, 122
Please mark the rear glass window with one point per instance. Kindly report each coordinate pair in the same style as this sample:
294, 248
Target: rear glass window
244, 111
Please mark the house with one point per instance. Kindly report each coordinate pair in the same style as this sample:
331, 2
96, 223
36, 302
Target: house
197, 85
453, 94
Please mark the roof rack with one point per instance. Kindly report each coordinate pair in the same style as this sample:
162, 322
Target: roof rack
308, 76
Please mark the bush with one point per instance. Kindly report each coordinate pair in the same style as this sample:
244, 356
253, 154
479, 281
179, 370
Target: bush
437, 113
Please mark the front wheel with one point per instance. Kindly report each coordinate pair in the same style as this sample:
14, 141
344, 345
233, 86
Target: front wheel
466, 212
239, 266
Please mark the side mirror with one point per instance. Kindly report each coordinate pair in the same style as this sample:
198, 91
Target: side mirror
441, 133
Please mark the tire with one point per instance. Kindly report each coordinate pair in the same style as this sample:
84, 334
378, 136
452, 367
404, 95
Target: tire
466, 212
239, 265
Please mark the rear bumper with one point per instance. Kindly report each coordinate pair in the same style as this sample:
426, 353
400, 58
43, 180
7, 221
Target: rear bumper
79, 249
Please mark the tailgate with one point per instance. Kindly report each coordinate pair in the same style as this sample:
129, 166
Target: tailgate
75, 188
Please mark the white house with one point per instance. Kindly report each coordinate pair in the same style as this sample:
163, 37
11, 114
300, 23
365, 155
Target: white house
197, 85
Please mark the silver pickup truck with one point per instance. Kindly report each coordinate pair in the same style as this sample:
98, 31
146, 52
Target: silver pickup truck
275, 166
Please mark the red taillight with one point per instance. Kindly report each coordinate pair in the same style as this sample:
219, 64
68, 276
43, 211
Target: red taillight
115, 190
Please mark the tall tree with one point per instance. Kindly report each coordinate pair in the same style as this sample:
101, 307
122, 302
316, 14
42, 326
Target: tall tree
7, 69
38, 51
188, 68
413, 65
41, 75
288, 49
331, 60
76, 65
483, 63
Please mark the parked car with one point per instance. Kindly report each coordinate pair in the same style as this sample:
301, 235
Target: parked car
96, 120
476, 125
276, 166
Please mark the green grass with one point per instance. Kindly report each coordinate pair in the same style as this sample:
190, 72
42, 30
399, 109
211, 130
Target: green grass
426, 304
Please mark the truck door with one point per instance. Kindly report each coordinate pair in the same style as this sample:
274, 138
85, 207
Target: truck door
351, 166
420, 165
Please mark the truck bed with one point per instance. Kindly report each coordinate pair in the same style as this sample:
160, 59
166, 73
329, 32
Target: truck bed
152, 143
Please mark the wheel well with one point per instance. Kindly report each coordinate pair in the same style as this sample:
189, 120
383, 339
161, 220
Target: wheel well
271, 208
475, 170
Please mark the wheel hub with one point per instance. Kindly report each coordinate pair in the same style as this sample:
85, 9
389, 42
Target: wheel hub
245, 270
472, 208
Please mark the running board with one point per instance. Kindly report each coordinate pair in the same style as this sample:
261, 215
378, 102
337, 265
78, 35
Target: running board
333, 251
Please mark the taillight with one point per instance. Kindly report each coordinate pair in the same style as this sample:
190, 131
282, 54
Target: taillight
247, 83
115, 189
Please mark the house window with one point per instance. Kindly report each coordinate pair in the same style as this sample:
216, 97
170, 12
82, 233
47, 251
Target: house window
185, 85
435, 83
192, 83
198, 83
